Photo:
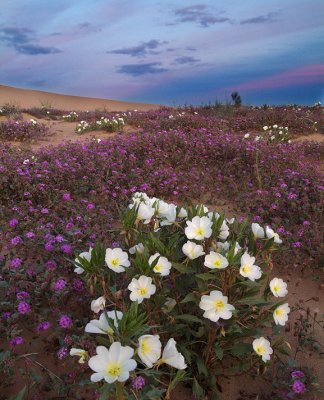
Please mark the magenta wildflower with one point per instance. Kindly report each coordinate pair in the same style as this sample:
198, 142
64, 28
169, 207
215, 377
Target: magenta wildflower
298, 387
297, 374
13, 222
78, 285
66, 248
50, 265
15, 263
16, 341
23, 307
62, 353
16, 240
30, 235
22, 295
49, 247
65, 322
67, 197
138, 383
60, 284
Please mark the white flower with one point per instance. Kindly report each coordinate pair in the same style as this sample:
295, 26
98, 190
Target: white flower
257, 138
199, 228
87, 256
271, 234
25, 162
257, 230
145, 213
215, 306
113, 364
247, 135
117, 259
224, 231
141, 288
163, 265
183, 213
280, 314
98, 304
101, 325
248, 269
215, 261
149, 349
138, 248
278, 287
272, 137
265, 128
262, 347
274, 126
80, 353
192, 250
172, 357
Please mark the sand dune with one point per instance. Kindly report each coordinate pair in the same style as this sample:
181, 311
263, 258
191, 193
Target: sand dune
26, 98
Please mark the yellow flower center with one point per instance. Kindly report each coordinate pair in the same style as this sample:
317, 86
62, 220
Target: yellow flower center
219, 305
157, 268
145, 347
199, 231
217, 263
276, 288
278, 312
113, 369
260, 350
246, 268
142, 291
115, 262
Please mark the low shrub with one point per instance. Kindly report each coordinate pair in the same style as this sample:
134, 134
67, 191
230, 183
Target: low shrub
22, 130
187, 280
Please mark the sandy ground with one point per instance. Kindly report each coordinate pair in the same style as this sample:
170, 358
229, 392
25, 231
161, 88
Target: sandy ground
25, 98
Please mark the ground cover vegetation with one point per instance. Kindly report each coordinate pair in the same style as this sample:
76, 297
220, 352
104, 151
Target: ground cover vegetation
68, 205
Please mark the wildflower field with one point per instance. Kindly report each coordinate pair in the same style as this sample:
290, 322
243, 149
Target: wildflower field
166, 254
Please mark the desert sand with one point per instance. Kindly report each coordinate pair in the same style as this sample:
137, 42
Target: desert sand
26, 98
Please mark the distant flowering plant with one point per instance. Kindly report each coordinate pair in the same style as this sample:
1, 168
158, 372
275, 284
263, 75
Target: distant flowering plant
186, 292
274, 134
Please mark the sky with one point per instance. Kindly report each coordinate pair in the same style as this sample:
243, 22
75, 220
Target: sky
173, 53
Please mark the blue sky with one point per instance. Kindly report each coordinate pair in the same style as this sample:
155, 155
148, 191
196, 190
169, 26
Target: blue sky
166, 52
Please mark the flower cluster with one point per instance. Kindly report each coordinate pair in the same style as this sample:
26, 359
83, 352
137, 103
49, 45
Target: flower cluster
182, 265
22, 130
83, 127
110, 125
72, 116
274, 134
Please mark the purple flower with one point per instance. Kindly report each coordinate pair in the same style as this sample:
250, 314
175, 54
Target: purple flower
16, 240
297, 374
138, 383
78, 285
30, 235
69, 226
6, 315
306, 223
50, 265
13, 222
59, 239
62, 353
23, 307
298, 387
67, 197
43, 326
90, 206
60, 284
49, 247
44, 211
66, 248
296, 245
15, 263
22, 295
65, 322
16, 341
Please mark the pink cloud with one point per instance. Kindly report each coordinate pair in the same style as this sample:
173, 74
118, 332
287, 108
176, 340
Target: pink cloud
294, 77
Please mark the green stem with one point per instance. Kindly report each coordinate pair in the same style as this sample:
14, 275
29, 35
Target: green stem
120, 391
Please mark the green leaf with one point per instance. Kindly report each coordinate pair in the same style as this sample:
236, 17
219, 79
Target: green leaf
20, 395
191, 297
219, 352
197, 390
189, 318
254, 301
202, 369
239, 349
